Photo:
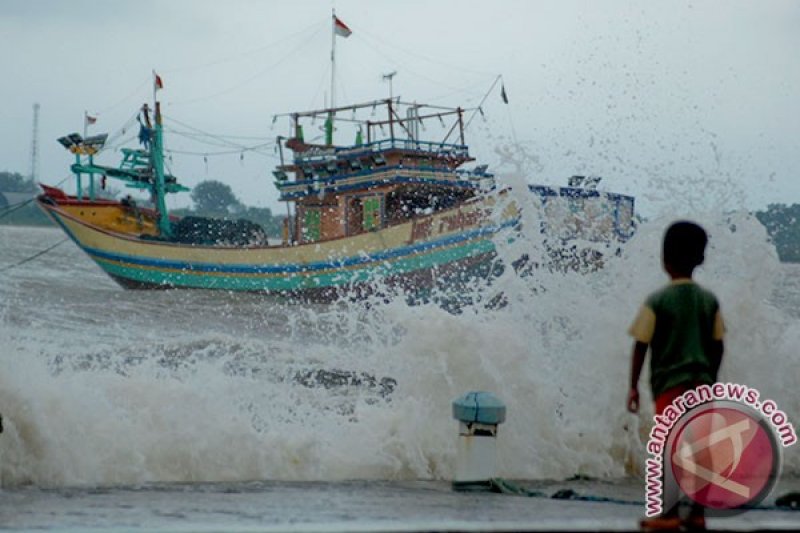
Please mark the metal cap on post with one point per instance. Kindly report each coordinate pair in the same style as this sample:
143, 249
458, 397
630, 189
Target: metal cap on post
478, 413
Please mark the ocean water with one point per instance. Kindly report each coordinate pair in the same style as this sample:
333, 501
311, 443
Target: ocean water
126, 400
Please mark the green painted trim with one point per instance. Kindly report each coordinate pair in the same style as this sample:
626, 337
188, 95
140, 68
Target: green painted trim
157, 153
312, 224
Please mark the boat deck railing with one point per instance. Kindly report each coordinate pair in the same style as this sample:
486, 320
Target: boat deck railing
458, 151
464, 179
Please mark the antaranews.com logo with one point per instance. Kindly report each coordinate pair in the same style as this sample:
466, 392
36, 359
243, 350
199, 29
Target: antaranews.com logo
718, 445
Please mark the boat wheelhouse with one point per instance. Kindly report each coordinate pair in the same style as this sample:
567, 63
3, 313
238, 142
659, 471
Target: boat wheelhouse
377, 182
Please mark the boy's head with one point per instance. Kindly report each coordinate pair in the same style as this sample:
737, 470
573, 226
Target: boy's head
684, 248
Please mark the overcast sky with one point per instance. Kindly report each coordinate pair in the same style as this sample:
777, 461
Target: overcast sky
693, 102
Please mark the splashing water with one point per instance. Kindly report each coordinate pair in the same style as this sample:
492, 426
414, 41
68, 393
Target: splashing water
103, 386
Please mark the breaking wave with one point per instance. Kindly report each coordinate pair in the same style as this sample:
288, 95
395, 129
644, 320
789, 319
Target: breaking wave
102, 386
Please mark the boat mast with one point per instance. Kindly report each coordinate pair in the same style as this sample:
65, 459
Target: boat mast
332, 114
157, 160
333, 58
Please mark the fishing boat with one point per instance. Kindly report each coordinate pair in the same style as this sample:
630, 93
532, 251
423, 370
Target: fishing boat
397, 209
391, 208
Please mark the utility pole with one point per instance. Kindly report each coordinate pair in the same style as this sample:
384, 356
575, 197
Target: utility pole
35, 144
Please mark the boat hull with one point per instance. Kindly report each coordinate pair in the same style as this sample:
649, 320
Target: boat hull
417, 254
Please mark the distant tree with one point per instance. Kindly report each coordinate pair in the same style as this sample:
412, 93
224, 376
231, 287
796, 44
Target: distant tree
25, 213
214, 198
13, 182
272, 224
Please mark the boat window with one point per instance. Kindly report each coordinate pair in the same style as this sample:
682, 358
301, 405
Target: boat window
372, 213
311, 225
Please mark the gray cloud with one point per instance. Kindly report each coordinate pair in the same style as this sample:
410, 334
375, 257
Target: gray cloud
642, 93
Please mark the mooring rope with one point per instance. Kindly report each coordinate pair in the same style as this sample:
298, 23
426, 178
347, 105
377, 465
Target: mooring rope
34, 256
8, 209
14, 207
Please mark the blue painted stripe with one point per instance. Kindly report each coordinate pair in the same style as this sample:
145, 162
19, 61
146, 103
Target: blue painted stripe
300, 268
575, 192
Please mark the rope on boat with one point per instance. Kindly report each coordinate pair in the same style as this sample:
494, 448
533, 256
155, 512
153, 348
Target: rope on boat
787, 502
14, 207
222, 141
238, 56
479, 109
258, 74
34, 256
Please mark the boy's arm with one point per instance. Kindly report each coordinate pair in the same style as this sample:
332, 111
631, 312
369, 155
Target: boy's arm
637, 362
642, 331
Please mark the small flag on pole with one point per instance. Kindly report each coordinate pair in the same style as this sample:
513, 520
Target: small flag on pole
340, 28
503, 94
157, 83
90, 119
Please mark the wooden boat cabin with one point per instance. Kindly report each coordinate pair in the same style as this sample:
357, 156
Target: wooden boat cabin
380, 180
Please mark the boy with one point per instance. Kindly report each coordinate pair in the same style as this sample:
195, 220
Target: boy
682, 325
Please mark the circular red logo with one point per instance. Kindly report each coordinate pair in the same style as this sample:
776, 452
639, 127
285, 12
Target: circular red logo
724, 458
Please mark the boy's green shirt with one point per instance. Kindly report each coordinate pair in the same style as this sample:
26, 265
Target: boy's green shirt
680, 323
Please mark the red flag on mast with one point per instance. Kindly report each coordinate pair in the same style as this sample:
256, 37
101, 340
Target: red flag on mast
158, 84
340, 28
